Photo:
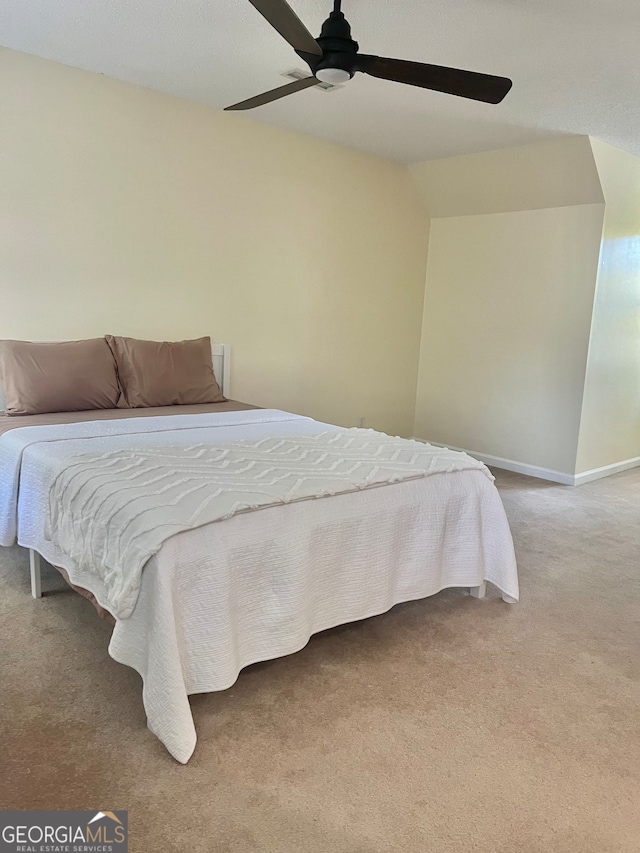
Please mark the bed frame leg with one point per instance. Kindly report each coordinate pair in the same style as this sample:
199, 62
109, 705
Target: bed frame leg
478, 591
34, 565
508, 599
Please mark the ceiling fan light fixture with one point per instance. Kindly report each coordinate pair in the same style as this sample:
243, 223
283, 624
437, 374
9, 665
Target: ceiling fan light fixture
333, 75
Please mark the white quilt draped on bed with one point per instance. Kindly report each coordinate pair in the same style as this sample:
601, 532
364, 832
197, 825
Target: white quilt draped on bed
111, 512
257, 585
55, 442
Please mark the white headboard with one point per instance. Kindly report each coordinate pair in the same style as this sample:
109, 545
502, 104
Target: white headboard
220, 355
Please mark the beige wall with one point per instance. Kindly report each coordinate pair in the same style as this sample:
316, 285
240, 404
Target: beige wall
610, 427
556, 173
127, 211
512, 265
505, 333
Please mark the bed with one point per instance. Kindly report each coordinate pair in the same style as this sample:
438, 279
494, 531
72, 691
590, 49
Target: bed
256, 583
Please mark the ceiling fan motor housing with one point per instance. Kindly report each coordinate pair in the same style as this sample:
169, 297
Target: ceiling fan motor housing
338, 48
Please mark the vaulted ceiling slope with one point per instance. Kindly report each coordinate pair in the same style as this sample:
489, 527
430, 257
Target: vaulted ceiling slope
574, 64
553, 173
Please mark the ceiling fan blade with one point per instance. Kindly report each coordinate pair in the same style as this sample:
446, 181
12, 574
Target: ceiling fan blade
282, 18
275, 94
452, 81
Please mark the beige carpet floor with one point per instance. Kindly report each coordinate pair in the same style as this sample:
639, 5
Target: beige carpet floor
447, 724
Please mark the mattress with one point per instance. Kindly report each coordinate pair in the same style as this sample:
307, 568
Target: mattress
257, 586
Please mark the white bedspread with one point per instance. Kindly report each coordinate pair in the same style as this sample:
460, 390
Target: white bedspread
111, 512
258, 585
113, 435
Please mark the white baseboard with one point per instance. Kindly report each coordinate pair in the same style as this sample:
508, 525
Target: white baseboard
546, 473
512, 465
606, 471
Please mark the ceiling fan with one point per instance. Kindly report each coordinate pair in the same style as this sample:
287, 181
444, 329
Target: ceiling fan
333, 58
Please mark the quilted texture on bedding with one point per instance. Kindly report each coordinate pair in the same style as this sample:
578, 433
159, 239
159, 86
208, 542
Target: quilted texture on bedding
111, 512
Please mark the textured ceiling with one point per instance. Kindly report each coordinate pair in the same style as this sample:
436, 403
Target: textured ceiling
574, 63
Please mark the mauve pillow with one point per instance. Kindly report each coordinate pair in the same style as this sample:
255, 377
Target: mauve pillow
165, 373
70, 376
